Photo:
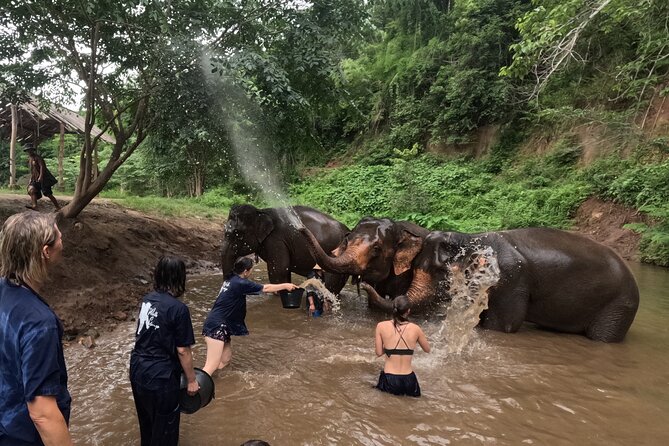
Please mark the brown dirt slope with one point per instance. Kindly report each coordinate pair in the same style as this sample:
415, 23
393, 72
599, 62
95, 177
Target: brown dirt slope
110, 252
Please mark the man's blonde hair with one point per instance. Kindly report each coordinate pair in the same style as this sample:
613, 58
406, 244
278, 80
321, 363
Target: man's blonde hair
21, 241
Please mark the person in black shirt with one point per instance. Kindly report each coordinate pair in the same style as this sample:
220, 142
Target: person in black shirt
41, 180
227, 316
162, 351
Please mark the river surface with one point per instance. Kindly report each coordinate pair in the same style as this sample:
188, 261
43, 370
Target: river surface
302, 381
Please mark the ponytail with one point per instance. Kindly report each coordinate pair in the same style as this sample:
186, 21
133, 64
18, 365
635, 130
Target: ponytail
401, 306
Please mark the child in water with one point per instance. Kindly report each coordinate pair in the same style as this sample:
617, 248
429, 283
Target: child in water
315, 299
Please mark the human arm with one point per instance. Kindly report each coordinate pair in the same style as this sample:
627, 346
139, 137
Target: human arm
184, 338
41, 168
49, 421
186, 360
422, 341
274, 287
312, 305
378, 341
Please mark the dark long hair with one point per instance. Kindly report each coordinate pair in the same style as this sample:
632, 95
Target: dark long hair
170, 276
241, 265
400, 307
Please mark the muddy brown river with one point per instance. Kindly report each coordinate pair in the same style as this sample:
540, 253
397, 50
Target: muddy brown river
302, 381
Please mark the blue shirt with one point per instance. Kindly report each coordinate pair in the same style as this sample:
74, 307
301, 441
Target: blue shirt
163, 325
230, 306
31, 361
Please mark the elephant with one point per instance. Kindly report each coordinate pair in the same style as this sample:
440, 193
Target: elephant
378, 250
556, 279
270, 234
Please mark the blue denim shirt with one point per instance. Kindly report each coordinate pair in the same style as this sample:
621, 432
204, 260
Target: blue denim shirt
31, 361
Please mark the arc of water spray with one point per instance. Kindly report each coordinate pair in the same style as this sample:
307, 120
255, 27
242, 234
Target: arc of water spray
251, 151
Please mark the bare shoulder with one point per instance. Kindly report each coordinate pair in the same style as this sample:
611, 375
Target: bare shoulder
415, 328
383, 325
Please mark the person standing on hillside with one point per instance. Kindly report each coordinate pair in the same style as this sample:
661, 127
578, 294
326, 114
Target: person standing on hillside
34, 399
41, 179
162, 351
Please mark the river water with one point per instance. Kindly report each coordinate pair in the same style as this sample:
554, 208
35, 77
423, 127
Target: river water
302, 381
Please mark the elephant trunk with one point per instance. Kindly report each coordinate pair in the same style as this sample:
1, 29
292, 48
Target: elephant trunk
344, 264
375, 300
228, 256
421, 289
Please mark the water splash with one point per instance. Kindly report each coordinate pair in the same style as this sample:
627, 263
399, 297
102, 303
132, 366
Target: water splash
252, 152
335, 303
469, 281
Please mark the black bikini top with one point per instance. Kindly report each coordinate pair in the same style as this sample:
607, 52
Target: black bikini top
398, 351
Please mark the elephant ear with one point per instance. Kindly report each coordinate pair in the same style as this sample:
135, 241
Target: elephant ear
338, 250
264, 226
407, 249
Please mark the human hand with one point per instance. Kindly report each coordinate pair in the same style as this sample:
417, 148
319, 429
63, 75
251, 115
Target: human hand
193, 388
290, 286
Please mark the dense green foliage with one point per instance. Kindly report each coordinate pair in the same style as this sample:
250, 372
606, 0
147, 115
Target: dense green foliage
468, 115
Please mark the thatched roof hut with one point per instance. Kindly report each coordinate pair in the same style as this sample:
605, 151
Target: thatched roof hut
35, 124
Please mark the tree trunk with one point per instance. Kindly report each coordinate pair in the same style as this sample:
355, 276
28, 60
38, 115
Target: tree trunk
61, 156
12, 148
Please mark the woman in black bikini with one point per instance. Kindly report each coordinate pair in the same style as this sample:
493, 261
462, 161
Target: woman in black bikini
402, 336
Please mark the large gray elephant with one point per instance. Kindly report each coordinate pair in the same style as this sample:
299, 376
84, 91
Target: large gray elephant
272, 234
378, 250
555, 279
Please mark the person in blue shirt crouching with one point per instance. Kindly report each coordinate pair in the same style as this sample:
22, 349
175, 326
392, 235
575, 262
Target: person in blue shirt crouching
34, 399
162, 351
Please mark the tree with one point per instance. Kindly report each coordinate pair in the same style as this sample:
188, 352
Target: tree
558, 33
118, 51
113, 49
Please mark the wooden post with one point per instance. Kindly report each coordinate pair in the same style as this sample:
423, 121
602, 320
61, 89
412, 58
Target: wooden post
12, 147
61, 155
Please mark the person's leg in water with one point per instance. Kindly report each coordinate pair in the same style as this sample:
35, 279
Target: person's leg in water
219, 354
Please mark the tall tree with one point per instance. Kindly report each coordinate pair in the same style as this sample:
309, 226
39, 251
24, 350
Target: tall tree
116, 50
113, 49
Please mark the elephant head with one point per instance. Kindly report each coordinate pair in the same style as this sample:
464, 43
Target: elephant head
245, 230
441, 253
376, 250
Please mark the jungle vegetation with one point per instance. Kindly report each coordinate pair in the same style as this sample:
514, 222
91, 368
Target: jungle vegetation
464, 115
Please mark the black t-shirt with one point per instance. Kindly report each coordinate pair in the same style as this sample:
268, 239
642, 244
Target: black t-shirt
230, 306
163, 325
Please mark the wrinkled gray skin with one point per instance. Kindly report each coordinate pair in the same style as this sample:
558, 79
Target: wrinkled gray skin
268, 233
556, 279
380, 251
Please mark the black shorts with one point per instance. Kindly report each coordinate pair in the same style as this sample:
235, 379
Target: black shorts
399, 384
220, 333
41, 189
225, 330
